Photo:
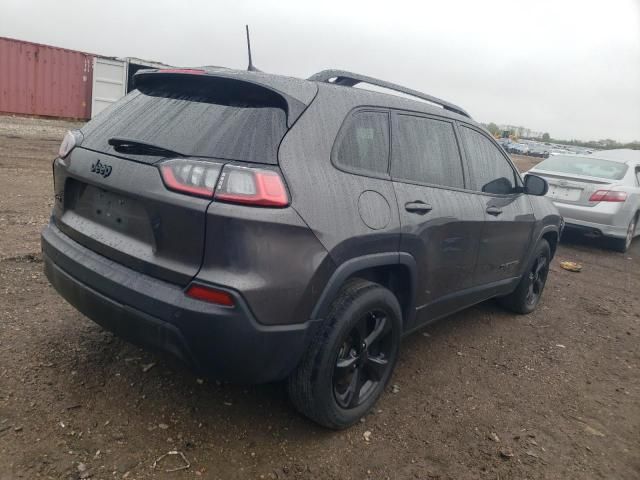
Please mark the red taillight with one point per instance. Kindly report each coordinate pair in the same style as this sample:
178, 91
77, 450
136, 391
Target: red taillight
244, 185
608, 196
251, 186
210, 294
193, 177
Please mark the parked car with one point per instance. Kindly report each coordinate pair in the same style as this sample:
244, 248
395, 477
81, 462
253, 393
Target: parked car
518, 148
261, 228
538, 152
595, 194
504, 143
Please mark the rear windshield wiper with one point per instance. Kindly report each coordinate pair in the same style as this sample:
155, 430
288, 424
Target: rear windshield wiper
127, 145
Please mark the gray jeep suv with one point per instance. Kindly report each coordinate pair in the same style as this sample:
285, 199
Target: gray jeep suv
264, 228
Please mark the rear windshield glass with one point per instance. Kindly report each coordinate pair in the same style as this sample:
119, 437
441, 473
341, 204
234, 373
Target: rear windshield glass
199, 116
587, 166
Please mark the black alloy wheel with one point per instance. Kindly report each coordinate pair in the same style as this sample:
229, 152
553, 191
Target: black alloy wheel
351, 357
363, 360
525, 298
537, 279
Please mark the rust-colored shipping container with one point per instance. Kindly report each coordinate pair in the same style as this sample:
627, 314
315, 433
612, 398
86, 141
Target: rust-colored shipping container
42, 80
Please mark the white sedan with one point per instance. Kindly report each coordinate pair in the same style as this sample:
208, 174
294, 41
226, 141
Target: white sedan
597, 193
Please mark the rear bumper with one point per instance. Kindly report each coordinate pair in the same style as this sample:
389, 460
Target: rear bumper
604, 219
595, 228
222, 342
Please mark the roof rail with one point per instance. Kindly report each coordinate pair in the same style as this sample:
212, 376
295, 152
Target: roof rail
349, 79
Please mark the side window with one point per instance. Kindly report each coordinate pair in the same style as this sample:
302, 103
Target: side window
638, 175
363, 145
490, 171
425, 150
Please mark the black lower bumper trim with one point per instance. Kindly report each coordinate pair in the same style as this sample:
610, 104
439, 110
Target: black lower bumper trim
126, 322
584, 229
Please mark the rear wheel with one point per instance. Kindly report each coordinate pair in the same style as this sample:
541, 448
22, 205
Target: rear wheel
623, 244
351, 358
527, 295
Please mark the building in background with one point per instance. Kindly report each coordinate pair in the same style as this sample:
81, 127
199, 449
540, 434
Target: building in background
49, 81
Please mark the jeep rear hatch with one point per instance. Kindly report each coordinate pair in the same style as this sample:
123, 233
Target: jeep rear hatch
110, 195
198, 115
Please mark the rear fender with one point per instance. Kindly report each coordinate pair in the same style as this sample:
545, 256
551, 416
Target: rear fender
350, 269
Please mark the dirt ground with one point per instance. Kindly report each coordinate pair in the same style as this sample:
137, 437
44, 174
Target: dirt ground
482, 394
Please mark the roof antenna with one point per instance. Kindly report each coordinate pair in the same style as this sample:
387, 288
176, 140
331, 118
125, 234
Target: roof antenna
251, 67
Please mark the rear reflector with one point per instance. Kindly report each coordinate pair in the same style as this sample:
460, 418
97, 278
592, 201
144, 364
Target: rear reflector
251, 186
211, 295
608, 196
193, 177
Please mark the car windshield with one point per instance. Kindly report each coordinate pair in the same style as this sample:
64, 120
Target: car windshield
587, 166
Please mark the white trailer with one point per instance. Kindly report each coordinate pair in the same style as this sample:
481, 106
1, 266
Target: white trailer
113, 79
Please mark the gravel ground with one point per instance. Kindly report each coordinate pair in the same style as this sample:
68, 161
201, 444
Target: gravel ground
482, 394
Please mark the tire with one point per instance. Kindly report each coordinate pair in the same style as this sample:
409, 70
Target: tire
623, 244
525, 298
338, 361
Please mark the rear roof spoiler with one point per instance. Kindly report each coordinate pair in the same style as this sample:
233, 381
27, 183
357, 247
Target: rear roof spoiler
295, 106
350, 79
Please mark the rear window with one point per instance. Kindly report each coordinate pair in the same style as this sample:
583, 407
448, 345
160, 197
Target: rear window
363, 144
197, 116
587, 166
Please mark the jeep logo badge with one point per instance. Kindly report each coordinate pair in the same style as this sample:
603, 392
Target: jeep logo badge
101, 168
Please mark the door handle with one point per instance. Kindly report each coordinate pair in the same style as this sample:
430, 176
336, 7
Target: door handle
418, 207
493, 210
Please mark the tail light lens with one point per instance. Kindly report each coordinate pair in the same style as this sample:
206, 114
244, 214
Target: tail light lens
251, 186
608, 196
71, 139
193, 177
244, 185
210, 294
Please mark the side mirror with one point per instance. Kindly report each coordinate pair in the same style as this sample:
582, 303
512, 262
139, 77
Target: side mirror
535, 185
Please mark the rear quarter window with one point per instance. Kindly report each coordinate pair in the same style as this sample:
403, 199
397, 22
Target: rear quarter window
362, 145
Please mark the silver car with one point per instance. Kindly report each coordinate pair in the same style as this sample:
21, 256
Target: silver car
597, 193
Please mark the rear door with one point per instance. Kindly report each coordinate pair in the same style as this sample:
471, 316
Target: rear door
441, 223
509, 219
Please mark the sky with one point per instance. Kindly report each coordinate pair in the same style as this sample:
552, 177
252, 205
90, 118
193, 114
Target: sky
567, 67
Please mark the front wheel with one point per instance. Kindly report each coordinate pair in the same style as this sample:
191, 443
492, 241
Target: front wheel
351, 358
527, 295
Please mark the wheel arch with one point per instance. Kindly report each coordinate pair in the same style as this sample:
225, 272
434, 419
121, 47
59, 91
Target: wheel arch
553, 238
395, 271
